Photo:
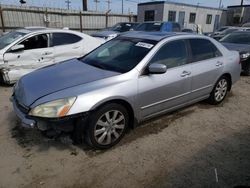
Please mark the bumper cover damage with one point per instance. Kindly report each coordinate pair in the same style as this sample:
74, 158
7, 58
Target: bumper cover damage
65, 124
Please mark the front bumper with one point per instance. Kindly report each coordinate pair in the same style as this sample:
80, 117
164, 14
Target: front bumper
25, 121
65, 124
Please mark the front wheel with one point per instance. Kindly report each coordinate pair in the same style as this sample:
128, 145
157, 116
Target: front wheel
107, 126
220, 91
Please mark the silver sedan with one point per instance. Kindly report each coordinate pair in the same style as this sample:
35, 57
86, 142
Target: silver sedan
124, 82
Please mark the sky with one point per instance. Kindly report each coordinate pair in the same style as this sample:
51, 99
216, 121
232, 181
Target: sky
116, 5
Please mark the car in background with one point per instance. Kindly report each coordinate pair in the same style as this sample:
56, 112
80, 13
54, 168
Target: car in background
25, 50
159, 26
246, 24
114, 31
127, 80
240, 41
188, 31
228, 31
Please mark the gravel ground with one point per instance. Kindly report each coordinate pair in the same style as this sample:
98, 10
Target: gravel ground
199, 146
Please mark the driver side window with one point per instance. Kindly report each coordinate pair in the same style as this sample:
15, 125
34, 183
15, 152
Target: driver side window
35, 42
172, 54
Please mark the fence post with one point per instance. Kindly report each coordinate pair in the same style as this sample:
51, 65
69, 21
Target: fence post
2, 20
106, 25
81, 21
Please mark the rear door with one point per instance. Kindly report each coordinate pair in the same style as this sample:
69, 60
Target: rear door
66, 46
207, 65
162, 92
36, 54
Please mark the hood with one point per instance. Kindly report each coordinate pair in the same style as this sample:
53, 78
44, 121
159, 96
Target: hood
57, 77
237, 47
107, 33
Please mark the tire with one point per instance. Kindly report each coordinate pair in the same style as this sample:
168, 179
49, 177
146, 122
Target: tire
220, 90
106, 126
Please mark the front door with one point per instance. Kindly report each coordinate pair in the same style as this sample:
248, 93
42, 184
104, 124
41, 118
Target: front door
162, 92
36, 54
181, 19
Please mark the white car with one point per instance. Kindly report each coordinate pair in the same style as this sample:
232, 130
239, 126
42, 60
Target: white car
25, 50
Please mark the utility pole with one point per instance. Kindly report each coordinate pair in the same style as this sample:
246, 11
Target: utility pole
109, 2
242, 2
68, 2
96, 2
122, 7
84, 5
220, 4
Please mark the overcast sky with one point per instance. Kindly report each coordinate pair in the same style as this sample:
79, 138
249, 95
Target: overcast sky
116, 5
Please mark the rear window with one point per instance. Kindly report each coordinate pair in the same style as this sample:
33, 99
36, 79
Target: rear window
203, 49
59, 39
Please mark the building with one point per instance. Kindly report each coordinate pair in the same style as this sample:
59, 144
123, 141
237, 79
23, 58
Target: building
189, 16
238, 15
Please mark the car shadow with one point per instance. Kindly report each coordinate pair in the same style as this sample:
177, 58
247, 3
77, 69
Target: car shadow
221, 163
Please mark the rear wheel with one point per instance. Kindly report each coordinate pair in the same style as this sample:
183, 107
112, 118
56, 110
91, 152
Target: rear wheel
107, 126
220, 91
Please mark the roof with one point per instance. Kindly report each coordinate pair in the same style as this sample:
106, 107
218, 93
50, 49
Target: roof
238, 6
157, 36
176, 3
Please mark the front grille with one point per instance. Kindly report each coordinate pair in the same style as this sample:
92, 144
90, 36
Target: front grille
22, 107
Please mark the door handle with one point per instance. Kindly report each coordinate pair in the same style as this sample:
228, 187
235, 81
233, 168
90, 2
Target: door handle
47, 53
219, 63
185, 73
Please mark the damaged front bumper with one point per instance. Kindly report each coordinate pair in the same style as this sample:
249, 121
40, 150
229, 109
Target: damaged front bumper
64, 124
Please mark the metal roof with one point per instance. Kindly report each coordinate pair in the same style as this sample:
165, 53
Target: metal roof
176, 3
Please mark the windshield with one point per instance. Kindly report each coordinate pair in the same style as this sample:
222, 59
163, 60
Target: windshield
10, 37
122, 27
222, 29
120, 54
238, 38
149, 27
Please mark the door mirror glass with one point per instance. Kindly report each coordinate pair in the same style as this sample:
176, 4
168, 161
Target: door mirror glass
157, 68
17, 48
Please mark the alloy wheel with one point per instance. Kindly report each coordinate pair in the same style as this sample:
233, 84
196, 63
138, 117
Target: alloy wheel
109, 127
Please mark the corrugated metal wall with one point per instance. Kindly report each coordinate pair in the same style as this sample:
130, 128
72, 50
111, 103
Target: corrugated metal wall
13, 17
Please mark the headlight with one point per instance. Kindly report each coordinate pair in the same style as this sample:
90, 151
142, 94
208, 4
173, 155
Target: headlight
53, 109
245, 55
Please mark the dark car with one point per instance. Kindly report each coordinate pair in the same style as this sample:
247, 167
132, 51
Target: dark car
114, 31
159, 26
240, 41
220, 35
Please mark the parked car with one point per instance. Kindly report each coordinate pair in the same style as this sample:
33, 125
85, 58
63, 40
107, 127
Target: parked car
25, 50
114, 31
240, 41
188, 31
129, 79
159, 26
246, 24
228, 31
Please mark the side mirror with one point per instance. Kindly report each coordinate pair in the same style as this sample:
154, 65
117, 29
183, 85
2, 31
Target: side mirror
157, 68
16, 48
